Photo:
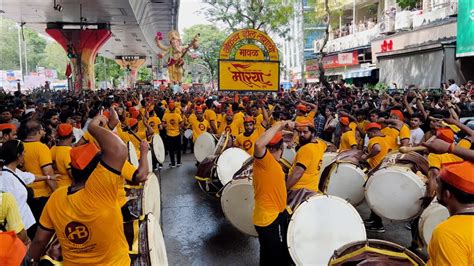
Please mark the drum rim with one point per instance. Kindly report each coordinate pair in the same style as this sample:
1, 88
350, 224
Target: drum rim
431, 209
357, 169
290, 244
161, 146
224, 167
209, 137
408, 173
131, 150
153, 187
151, 219
227, 187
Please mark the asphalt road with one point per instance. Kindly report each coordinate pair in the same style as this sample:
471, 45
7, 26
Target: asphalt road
197, 233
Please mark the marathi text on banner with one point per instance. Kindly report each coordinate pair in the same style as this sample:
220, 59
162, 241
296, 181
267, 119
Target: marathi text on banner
248, 76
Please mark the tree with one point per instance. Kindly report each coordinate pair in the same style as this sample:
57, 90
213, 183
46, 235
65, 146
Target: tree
107, 70
407, 4
210, 42
144, 74
269, 16
55, 58
9, 45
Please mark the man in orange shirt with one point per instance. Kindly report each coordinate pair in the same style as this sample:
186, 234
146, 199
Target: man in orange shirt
269, 216
86, 217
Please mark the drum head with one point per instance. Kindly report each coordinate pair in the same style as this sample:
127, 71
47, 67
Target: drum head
156, 242
289, 155
229, 162
221, 144
188, 133
430, 218
347, 181
394, 193
132, 154
237, 201
151, 197
327, 159
158, 148
321, 225
204, 146
150, 162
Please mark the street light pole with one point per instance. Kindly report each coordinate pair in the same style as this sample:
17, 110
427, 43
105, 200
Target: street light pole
303, 81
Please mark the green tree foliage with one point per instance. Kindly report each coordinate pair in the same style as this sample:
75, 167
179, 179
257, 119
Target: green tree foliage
144, 74
210, 42
108, 70
8, 45
269, 16
407, 4
55, 58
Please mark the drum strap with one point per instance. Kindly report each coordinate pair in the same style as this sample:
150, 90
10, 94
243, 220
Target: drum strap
393, 254
204, 179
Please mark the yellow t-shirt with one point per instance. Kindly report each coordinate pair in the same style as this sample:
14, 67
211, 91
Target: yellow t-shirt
436, 160
239, 115
310, 157
248, 143
198, 127
154, 123
37, 156
88, 222
391, 138
347, 141
404, 132
361, 126
62, 159
128, 171
234, 128
172, 121
452, 242
377, 159
9, 213
211, 117
219, 119
269, 190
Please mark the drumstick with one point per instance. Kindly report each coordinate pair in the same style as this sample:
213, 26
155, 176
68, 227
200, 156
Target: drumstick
405, 149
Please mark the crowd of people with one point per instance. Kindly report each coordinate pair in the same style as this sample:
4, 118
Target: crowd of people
64, 158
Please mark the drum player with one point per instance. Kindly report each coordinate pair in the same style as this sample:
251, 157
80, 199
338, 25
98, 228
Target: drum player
246, 140
270, 216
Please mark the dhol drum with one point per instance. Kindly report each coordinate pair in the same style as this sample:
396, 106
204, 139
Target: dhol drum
150, 161
206, 176
320, 225
158, 148
229, 162
151, 244
287, 158
394, 189
132, 154
433, 215
151, 197
237, 202
328, 157
224, 142
344, 178
374, 252
204, 146
188, 133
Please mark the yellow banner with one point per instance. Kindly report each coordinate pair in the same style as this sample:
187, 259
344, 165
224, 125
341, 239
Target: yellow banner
249, 75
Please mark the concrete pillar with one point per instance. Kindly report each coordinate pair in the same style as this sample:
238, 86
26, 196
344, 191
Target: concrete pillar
132, 63
84, 44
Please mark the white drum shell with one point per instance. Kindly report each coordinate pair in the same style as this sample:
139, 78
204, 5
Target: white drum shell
188, 133
132, 154
394, 193
347, 181
429, 219
204, 146
237, 202
156, 242
229, 162
289, 155
150, 162
327, 159
151, 197
158, 148
321, 225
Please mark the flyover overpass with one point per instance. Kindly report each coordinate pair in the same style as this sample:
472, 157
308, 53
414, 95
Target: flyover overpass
113, 28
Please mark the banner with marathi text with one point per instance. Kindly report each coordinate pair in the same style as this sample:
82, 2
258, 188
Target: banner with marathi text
465, 35
249, 61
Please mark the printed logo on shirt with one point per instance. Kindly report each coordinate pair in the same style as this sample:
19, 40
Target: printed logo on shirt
202, 127
247, 145
77, 233
172, 122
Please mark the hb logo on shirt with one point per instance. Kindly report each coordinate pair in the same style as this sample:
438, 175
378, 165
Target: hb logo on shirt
247, 145
77, 233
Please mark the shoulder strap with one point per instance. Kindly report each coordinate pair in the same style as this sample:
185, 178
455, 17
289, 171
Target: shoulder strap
17, 177
3, 222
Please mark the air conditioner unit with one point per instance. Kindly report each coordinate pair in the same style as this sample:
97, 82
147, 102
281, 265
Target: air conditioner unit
387, 26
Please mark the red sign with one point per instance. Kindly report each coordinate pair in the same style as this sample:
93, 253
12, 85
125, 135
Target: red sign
386, 46
341, 60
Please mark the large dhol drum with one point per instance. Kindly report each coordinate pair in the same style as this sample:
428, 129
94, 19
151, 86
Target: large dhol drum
132, 154
206, 176
344, 177
204, 146
151, 197
237, 202
151, 244
287, 158
224, 142
188, 133
328, 157
395, 188
374, 252
150, 161
320, 225
158, 148
229, 162
433, 215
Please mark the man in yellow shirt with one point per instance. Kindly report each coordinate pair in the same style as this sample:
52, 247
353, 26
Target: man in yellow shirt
231, 124
86, 217
246, 140
210, 115
304, 173
60, 155
39, 162
376, 151
348, 140
173, 122
269, 216
302, 113
452, 242
198, 124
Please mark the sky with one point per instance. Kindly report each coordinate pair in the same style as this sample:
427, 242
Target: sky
188, 14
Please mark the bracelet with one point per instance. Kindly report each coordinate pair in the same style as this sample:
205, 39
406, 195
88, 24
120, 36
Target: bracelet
49, 177
451, 148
